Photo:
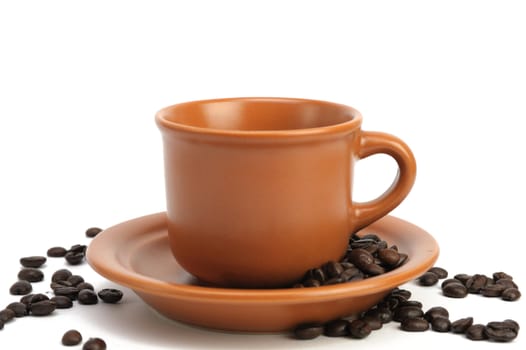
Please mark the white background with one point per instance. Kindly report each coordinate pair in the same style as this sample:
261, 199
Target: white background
80, 83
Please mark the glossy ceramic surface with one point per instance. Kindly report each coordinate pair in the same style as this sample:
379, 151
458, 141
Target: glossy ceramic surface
136, 254
259, 189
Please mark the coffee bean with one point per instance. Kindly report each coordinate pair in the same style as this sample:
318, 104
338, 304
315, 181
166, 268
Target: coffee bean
308, 331
501, 331
512, 324
437, 311
7, 315
389, 257
74, 258
361, 258
26, 299
84, 285
373, 269
461, 325
374, 322
414, 325
94, 344
20, 309
71, 337
440, 324
61, 275
449, 281
415, 303
42, 308
406, 312
511, 294
21, 288
332, 269
403, 259
359, 329
78, 248
87, 297
476, 283
311, 282
62, 302
93, 231
462, 277
428, 279
70, 292
337, 328
333, 280
75, 280
33, 261
406, 294
500, 275
507, 283
316, 274
349, 273
455, 290
476, 332
440, 272
31, 274
35, 298
492, 290
56, 252
384, 314
1, 324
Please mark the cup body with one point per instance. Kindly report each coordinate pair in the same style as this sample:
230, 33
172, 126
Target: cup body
258, 189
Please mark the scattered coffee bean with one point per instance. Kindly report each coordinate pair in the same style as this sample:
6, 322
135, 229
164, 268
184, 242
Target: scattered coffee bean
94, 344
56, 252
512, 324
448, 281
87, 297
75, 280
20, 309
31, 274
388, 256
7, 315
26, 299
462, 277
35, 298
337, 328
361, 258
93, 231
440, 272
461, 325
1, 324
414, 303
441, 324
475, 283
70, 292
455, 290
501, 331
61, 275
78, 248
84, 285
33, 261
428, 279
110, 295
492, 290
62, 302
437, 311
511, 294
74, 258
476, 332
374, 322
507, 283
42, 308
308, 331
71, 337
414, 325
21, 288
405, 312
359, 329
500, 275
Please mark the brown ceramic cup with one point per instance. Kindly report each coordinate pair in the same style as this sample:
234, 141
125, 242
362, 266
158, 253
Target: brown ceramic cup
259, 189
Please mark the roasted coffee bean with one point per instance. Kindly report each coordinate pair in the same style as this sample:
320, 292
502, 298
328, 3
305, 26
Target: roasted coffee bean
476, 332
20, 309
1, 324
512, 324
42, 308
461, 325
455, 290
75, 280
93, 231
510, 294
349, 273
332, 269
33, 261
414, 303
70, 292
31, 274
449, 281
462, 277
383, 313
361, 258
501, 331
337, 328
389, 257
403, 259
74, 258
440, 272
308, 331
507, 283
7, 315
441, 324
374, 322
414, 325
373, 269
428, 279
406, 312
500, 275
21, 288
406, 294
35, 298
84, 285
94, 344
359, 329
26, 299
334, 280
87, 297
61, 275
316, 274
78, 248
71, 337
437, 311
56, 252
492, 290
311, 282
476, 283
62, 302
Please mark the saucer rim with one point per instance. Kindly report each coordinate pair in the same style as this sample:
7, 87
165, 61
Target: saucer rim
105, 262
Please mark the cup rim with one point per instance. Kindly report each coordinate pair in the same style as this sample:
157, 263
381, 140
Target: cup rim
343, 127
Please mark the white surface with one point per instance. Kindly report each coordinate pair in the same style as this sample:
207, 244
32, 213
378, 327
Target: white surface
81, 81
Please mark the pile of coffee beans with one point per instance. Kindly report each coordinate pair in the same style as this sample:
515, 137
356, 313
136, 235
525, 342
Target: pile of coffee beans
73, 337
366, 256
500, 285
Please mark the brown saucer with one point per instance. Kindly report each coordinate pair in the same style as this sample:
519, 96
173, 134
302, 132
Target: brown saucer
136, 254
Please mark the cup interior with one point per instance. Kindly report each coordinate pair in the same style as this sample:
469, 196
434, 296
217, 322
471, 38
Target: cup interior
258, 114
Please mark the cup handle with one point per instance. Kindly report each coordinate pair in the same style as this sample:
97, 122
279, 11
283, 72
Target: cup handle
364, 213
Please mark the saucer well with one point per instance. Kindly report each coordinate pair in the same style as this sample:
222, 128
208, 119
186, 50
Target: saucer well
136, 254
